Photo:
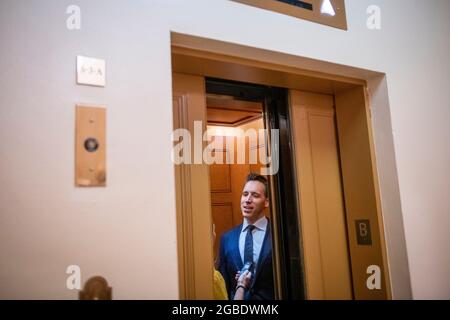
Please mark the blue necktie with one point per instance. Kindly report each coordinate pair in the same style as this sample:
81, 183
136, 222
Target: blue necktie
248, 248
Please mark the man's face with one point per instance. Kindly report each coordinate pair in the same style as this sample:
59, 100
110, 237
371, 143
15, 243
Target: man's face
253, 201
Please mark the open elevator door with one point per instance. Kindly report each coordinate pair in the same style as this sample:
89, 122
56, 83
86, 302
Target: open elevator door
193, 198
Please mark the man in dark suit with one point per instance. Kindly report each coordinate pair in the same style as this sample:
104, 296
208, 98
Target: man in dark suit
250, 242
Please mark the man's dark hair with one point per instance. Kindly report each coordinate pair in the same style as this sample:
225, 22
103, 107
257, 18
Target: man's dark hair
260, 178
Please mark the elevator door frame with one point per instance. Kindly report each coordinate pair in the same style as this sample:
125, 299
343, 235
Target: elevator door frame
192, 59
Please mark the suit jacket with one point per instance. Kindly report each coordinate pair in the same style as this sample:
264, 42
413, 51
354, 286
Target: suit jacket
262, 287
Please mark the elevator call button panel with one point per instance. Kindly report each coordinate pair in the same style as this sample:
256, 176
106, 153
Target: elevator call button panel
90, 146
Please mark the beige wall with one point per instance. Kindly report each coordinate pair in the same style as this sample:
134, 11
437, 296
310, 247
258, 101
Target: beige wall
117, 231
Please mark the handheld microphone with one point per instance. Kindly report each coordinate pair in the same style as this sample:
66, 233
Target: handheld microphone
246, 267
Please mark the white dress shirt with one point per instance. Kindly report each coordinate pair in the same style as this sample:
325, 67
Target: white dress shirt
259, 233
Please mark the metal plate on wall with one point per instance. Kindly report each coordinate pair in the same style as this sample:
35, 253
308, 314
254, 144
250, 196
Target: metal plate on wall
90, 146
307, 9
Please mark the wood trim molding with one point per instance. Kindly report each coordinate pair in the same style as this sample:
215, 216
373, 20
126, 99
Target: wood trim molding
377, 190
194, 223
184, 220
360, 191
235, 124
212, 64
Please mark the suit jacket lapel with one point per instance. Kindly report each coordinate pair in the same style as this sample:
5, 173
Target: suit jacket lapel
266, 250
236, 254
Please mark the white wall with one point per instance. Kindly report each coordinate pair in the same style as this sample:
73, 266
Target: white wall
126, 231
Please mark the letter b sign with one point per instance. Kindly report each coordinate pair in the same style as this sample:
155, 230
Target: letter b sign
363, 235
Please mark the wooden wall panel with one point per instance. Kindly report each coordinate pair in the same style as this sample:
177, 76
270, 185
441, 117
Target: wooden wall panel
360, 190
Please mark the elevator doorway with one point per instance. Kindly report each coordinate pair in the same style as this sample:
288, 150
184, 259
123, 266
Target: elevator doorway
228, 119
331, 260
266, 146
